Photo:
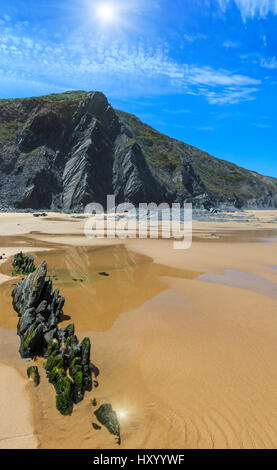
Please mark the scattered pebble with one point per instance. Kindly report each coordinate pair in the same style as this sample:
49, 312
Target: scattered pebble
95, 426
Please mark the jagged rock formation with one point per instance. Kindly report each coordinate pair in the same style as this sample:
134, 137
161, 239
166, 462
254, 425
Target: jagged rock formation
66, 154
61, 152
40, 310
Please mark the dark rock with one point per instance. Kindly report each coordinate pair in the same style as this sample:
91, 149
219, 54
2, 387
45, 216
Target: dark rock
108, 418
33, 374
87, 379
32, 341
27, 292
43, 214
39, 310
23, 264
95, 426
40, 318
26, 320
42, 308
49, 335
67, 332
34, 301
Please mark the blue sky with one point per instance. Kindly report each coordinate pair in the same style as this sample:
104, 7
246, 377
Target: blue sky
202, 71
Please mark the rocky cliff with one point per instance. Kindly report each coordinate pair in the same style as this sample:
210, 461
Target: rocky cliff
61, 152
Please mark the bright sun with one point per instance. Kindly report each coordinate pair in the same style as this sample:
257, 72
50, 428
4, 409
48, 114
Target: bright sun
122, 414
106, 12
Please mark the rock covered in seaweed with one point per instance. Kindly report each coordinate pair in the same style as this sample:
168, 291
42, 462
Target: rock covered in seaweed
23, 264
32, 341
63, 398
108, 418
66, 354
67, 364
85, 348
78, 357
33, 374
56, 372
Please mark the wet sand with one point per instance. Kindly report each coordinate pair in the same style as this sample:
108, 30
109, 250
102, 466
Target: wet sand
16, 431
186, 360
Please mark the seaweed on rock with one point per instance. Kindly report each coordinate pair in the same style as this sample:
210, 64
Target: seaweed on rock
108, 418
23, 264
67, 364
33, 374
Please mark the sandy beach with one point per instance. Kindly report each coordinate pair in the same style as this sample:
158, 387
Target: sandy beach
16, 430
185, 340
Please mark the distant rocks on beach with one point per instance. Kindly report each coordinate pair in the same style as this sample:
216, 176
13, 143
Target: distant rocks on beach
23, 264
42, 214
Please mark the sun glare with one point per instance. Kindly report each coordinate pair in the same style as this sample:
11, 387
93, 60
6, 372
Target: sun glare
106, 12
122, 414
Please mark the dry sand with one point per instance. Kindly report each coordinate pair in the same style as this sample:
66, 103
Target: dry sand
187, 363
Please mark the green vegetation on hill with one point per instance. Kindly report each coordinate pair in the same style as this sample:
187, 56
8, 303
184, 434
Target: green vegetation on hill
8, 130
158, 148
67, 96
73, 95
222, 178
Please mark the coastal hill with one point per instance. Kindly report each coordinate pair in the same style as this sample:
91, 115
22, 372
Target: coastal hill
63, 151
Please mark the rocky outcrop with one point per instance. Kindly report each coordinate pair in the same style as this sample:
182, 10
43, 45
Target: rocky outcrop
67, 363
66, 356
23, 264
69, 356
68, 366
108, 418
66, 154
193, 175
39, 309
62, 152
